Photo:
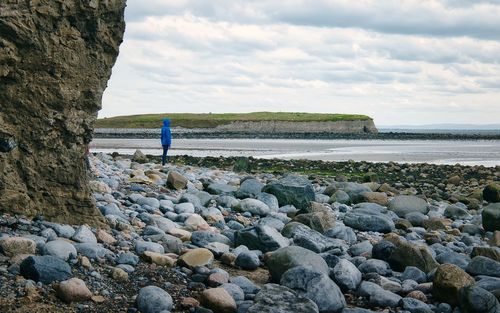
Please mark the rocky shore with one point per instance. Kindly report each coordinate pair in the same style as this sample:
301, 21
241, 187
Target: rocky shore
245, 235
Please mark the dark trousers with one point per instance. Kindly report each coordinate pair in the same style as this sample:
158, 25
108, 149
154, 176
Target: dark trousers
164, 156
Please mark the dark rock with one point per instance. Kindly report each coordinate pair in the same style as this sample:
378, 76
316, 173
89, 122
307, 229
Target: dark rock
366, 220
263, 238
346, 275
293, 190
481, 265
477, 300
45, 269
407, 254
280, 299
491, 193
250, 188
448, 281
286, 258
247, 260
382, 250
152, 299
491, 217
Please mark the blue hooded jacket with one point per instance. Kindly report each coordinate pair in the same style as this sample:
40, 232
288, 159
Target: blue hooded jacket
166, 135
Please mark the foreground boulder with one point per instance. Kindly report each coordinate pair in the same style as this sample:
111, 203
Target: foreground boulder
448, 281
408, 254
56, 61
491, 193
279, 299
152, 299
292, 190
402, 205
286, 258
73, 290
45, 269
477, 300
263, 238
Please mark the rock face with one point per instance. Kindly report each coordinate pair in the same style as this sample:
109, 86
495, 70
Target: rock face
55, 61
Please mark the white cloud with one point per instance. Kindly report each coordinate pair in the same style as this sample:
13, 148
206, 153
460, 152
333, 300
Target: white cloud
403, 61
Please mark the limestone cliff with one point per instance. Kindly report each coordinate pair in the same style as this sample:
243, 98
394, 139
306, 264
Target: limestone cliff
55, 60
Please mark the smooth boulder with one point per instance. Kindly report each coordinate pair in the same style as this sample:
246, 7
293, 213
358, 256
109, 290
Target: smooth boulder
286, 258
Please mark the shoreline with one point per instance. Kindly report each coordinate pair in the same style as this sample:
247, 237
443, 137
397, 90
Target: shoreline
203, 134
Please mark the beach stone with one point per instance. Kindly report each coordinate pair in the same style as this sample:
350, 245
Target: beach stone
414, 273
375, 266
84, 234
491, 217
342, 232
363, 248
73, 290
218, 300
382, 250
196, 257
218, 189
354, 190
292, 190
247, 260
414, 306
270, 200
245, 284
104, 237
235, 291
452, 257
377, 296
149, 201
61, 249
375, 197
489, 252
195, 221
322, 221
346, 275
254, 206
142, 246
474, 299
119, 274
108, 209
488, 283
158, 259
310, 239
316, 286
184, 207
92, 251
139, 157
286, 258
408, 254
491, 193
128, 258
455, 213
62, 230
481, 265
176, 181
340, 196
249, 188
12, 246
152, 299
203, 238
263, 238
280, 299
367, 220
403, 204
448, 280
45, 269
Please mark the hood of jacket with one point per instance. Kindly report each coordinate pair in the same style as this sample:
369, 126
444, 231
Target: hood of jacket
166, 122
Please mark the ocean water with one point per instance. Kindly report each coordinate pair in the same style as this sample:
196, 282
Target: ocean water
478, 152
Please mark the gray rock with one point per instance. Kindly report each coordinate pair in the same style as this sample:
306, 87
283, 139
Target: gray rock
235, 291
481, 265
362, 248
84, 234
346, 275
310, 239
382, 250
245, 284
270, 200
61, 249
128, 258
415, 306
366, 220
45, 269
152, 299
286, 258
250, 188
271, 222
92, 251
65, 231
294, 190
218, 188
340, 196
354, 190
280, 299
254, 206
414, 273
184, 207
488, 283
263, 238
474, 299
202, 238
143, 246
342, 232
247, 260
112, 209
403, 204
452, 257
377, 296
316, 286
149, 201
455, 212
227, 201
375, 266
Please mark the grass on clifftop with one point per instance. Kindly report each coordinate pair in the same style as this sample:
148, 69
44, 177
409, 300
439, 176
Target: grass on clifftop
208, 120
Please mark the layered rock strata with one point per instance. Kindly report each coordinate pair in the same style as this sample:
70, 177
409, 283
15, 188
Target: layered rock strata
55, 60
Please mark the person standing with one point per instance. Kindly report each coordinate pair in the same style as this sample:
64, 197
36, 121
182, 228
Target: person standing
166, 139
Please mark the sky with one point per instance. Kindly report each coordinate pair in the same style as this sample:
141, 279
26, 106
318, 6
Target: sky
402, 62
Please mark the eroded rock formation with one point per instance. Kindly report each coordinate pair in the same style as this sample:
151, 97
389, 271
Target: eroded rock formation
55, 60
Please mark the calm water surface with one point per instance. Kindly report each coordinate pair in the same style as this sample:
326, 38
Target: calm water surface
480, 152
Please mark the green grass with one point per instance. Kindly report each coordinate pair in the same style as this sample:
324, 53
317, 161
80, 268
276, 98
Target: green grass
208, 120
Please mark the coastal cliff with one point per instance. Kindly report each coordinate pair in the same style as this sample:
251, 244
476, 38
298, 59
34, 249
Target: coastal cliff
55, 61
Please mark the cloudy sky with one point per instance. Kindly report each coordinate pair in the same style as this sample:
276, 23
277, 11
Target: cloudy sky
399, 61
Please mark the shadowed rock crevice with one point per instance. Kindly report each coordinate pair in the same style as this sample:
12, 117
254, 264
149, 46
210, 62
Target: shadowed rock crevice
55, 61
